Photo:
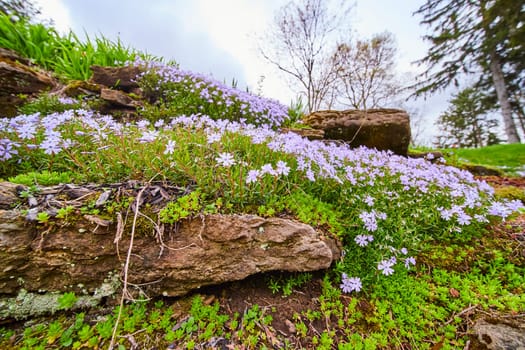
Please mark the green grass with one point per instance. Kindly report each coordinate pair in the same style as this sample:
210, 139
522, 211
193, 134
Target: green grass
507, 157
67, 56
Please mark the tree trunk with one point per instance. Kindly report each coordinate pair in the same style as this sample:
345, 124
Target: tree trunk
503, 98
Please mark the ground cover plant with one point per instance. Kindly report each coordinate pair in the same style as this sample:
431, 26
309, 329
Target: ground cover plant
418, 255
67, 56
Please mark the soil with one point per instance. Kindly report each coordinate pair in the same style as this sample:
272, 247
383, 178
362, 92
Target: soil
499, 181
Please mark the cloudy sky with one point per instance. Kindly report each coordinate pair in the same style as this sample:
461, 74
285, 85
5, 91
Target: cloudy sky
219, 37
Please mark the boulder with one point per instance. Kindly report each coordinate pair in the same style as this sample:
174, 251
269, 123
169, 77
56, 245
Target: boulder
121, 78
383, 129
499, 336
310, 134
19, 77
82, 253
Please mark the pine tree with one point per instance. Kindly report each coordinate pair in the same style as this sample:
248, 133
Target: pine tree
467, 122
471, 37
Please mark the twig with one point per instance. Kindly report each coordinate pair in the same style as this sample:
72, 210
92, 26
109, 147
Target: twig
464, 311
126, 267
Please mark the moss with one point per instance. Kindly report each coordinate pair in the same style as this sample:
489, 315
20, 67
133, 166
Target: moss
27, 304
510, 192
80, 87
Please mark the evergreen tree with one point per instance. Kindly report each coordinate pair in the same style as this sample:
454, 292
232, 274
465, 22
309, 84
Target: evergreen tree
472, 37
467, 123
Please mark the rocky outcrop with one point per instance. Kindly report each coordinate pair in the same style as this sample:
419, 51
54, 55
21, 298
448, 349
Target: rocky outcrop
18, 77
383, 129
81, 253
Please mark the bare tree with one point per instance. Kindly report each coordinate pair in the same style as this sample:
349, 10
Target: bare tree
365, 72
299, 45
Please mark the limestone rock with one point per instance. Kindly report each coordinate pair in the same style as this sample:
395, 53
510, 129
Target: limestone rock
17, 76
500, 336
81, 254
383, 129
121, 78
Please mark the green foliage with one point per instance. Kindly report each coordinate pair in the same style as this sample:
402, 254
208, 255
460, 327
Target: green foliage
287, 284
466, 122
44, 178
67, 300
47, 104
68, 56
296, 111
65, 212
412, 308
42, 217
184, 207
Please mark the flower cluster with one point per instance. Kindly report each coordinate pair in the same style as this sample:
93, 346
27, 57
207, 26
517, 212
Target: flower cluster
383, 194
211, 97
350, 284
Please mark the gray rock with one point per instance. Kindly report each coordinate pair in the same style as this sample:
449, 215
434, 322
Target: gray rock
500, 336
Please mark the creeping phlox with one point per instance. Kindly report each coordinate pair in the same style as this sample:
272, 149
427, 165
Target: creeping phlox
380, 180
228, 102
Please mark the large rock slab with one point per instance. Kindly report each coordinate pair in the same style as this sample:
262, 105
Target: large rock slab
18, 76
82, 253
383, 129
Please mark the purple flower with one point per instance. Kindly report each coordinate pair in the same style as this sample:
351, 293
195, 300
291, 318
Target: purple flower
369, 200
385, 266
363, 240
252, 176
149, 136
445, 213
142, 124
268, 169
352, 284
409, 261
480, 218
225, 159
6, 149
499, 209
159, 123
170, 147
464, 219
369, 221
51, 145
214, 137
282, 168
66, 100
27, 131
